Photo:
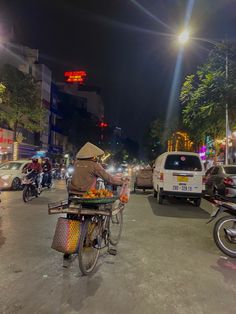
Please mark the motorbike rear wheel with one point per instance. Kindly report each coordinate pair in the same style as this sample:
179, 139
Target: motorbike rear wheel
226, 244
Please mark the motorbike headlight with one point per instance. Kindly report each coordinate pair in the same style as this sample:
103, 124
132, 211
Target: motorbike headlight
70, 170
6, 177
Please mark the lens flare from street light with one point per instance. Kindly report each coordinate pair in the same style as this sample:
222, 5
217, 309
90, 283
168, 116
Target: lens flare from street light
184, 37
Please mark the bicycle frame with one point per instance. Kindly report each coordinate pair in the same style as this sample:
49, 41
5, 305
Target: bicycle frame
103, 224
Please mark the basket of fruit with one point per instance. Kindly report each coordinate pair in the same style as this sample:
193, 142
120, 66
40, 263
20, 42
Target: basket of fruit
94, 196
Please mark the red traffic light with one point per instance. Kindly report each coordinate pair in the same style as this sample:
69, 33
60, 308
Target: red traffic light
103, 125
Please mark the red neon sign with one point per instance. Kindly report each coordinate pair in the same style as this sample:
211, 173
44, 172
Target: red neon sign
75, 76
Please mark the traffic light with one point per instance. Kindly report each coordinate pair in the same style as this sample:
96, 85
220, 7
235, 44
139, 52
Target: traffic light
103, 125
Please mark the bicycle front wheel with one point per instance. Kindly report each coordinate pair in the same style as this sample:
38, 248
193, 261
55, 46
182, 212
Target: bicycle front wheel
88, 246
115, 227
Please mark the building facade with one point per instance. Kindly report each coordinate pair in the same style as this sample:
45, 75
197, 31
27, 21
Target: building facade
26, 60
92, 100
57, 140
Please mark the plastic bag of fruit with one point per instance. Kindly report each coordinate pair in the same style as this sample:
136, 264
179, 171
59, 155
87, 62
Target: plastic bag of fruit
125, 192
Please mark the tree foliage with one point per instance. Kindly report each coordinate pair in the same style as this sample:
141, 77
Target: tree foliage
2, 89
20, 106
204, 95
157, 136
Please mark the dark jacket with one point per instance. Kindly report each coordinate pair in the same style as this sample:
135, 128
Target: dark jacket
86, 173
47, 166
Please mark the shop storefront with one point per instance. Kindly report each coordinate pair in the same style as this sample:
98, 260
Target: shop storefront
6, 145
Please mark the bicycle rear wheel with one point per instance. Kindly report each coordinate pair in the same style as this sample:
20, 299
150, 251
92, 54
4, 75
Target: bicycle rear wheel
115, 227
88, 246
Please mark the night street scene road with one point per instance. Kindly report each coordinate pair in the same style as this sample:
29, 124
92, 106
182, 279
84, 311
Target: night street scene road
118, 157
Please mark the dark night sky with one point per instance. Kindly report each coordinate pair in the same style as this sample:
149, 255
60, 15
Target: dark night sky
108, 39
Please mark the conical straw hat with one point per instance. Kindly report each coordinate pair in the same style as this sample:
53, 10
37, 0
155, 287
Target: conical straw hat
89, 151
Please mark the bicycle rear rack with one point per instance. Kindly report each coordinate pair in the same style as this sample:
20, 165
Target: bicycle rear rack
63, 207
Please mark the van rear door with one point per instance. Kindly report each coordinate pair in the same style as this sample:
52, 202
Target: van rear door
183, 173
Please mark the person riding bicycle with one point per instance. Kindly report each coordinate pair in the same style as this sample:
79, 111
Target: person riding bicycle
36, 171
47, 172
87, 170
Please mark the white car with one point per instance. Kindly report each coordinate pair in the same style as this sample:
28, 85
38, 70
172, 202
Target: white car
179, 174
11, 173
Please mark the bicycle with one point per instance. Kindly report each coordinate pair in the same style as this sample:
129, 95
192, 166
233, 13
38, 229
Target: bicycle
100, 226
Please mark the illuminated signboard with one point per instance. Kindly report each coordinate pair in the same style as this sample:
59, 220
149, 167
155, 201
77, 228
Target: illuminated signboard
6, 141
6, 138
75, 76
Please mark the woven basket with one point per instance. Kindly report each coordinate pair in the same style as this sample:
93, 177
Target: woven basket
66, 237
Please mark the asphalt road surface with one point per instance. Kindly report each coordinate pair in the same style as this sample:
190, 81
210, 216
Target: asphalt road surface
167, 262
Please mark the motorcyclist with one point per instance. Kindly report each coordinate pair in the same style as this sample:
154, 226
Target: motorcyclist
36, 171
47, 172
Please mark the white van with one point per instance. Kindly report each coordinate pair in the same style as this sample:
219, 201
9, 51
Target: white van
179, 174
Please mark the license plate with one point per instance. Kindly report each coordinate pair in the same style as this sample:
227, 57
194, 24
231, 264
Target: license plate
182, 179
182, 188
26, 181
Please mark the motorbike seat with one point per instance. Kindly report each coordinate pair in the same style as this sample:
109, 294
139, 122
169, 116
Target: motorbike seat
230, 206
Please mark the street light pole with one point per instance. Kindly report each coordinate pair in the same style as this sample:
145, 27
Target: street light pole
183, 38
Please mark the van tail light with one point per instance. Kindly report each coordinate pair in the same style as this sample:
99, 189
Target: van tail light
161, 177
228, 181
204, 180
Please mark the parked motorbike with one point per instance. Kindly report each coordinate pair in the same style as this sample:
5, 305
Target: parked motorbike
29, 184
56, 173
224, 231
100, 184
63, 173
69, 173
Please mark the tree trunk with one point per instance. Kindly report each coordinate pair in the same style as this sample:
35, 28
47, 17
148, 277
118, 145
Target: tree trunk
15, 131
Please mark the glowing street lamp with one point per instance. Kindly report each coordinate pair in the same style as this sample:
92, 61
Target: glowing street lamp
183, 37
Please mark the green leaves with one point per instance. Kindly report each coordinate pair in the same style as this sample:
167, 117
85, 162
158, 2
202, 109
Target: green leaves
2, 89
21, 105
205, 93
156, 138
